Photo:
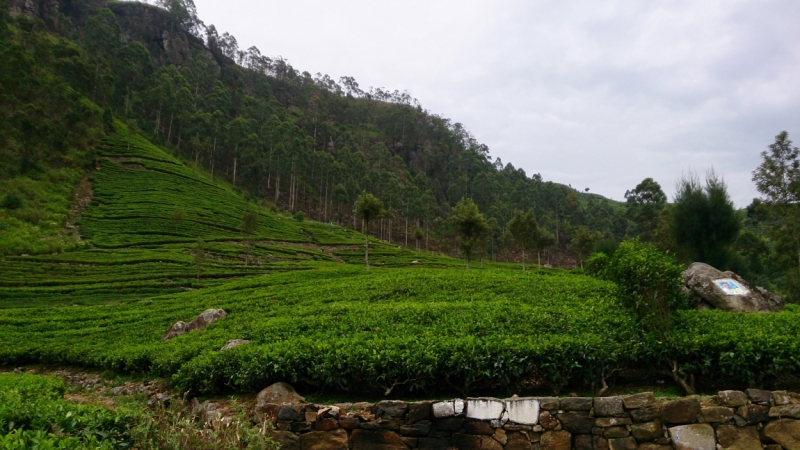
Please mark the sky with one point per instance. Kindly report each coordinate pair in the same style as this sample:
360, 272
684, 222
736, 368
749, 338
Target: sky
596, 95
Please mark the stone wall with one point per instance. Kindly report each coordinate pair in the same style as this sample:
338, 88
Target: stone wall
731, 420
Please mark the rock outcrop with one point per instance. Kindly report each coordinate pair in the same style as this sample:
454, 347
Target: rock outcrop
728, 291
198, 323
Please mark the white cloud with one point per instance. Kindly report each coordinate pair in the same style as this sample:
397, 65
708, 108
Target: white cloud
594, 94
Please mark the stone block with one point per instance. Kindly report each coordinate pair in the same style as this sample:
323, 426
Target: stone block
325, 440
792, 411
647, 431
450, 424
759, 396
376, 440
654, 446
638, 401
550, 403
730, 437
732, 399
680, 411
418, 411
411, 442
519, 445
326, 424
473, 442
484, 408
547, 421
608, 406
605, 422
627, 443
582, 442
433, 443
785, 432
698, 436
576, 423
524, 411
616, 432
349, 423
556, 440
753, 414
716, 414
288, 413
478, 428
458, 406
419, 429
500, 435
287, 440
599, 443
644, 415
785, 398
382, 424
444, 409
393, 408
576, 403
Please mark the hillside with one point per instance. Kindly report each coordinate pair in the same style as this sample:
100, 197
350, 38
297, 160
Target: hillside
300, 142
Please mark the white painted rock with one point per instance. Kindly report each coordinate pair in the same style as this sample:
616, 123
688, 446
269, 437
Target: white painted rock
523, 411
484, 408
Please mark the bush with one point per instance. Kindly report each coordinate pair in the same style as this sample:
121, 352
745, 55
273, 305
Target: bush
13, 200
649, 282
299, 216
606, 246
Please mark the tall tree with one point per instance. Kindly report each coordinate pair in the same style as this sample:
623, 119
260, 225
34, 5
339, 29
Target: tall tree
249, 227
778, 180
644, 203
523, 229
470, 225
582, 242
705, 223
368, 207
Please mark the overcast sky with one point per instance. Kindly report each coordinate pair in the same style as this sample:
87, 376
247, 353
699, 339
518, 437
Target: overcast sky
592, 94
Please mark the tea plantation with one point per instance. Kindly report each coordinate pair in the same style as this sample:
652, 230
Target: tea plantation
418, 323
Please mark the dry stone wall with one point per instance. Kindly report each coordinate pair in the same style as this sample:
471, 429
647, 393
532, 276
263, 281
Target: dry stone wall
731, 420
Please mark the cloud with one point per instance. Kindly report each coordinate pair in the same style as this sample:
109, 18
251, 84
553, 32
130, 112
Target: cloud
594, 94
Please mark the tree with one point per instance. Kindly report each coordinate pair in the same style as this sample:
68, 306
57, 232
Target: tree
645, 202
522, 229
470, 224
249, 226
199, 256
541, 240
778, 180
705, 223
582, 242
368, 207
177, 216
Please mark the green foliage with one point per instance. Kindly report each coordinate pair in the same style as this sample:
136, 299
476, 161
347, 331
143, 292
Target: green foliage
470, 224
299, 216
705, 223
649, 282
644, 203
32, 412
13, 200
367, 207
582, 242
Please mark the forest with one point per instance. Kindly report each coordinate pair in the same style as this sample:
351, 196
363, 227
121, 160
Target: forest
308, 144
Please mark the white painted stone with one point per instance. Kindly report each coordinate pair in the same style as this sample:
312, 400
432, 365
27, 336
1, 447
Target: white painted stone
443, 409
523, 411
484, 408
458, 406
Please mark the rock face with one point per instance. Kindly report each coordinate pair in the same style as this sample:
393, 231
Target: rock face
199, 323
728, 291
278, 393
233, 344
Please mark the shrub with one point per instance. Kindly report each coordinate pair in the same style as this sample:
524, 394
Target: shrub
649, 282
299, 216
13, 200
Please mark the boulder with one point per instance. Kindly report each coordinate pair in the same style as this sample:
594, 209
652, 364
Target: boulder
728, 291
699, 436
233, 344
556, 440
680, 411
200, 322
735, 438
785, 432
325, 440
278, 393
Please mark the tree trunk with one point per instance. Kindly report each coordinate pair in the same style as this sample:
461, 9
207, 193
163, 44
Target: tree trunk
234, 171
539, 258
366, 249
523, 259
